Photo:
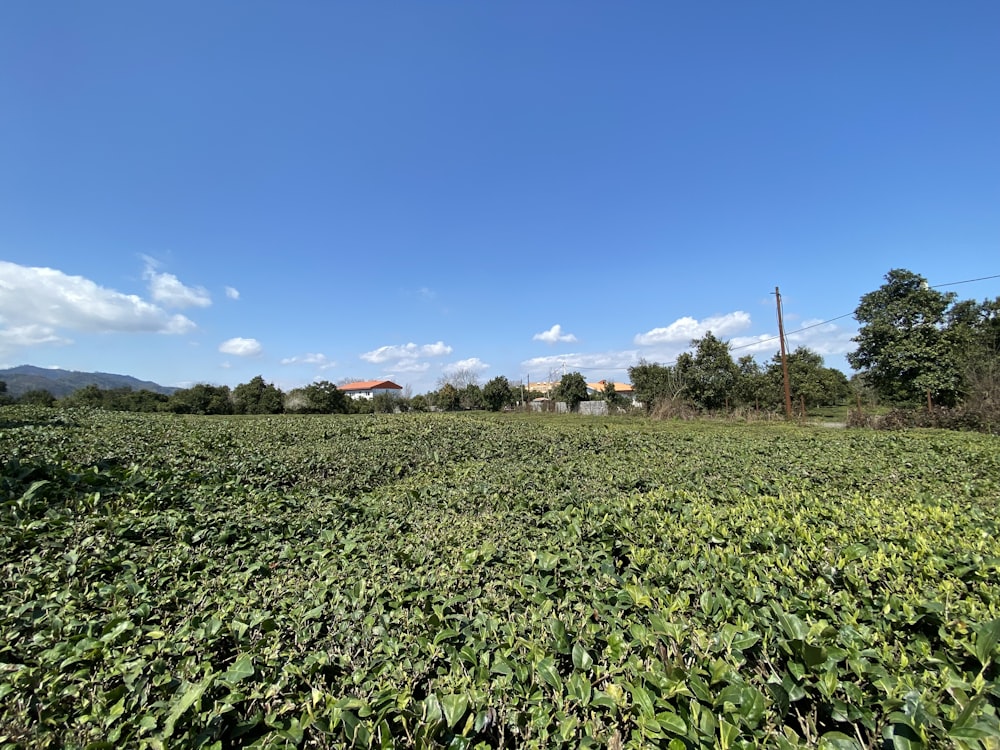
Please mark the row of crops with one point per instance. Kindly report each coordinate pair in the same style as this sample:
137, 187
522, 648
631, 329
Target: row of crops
493, 581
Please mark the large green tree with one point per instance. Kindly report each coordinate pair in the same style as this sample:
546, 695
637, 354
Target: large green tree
905, 349
710, 374
810, 381
974, 331
202, 399
752, 387
497, 393
471, 397
572, 389
447, 397
317, 398
611, 397
653, 382
258, 397
37, 397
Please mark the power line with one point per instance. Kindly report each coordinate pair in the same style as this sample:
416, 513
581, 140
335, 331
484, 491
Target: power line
803, 328
967, 281
848, 315
797, 330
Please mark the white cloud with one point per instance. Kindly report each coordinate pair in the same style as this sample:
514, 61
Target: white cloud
554, 335
472, 363
168, 290
232, 292
540, 368
320, 360
241, 347
35, 303
410, 365
405, 353
826, 339
683, 330
30, 335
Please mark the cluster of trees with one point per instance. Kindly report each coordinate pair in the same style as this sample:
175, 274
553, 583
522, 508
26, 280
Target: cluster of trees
458, 392
461, 390
916, 343
709, 379
254, 397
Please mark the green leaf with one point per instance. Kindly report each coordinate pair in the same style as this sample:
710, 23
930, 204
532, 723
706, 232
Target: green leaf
602, 700
547, 560
454, 707
744, 641
978, 731
791, 626
432, 709
752, 704
579, 688
727, 733
813, 656
34, 490
854, 552
581, 659
191, 694
560, 635
904, 737
445, 635
838, 741
147, 723
641, 697
672, 722
241, 669
987, 636
547, 669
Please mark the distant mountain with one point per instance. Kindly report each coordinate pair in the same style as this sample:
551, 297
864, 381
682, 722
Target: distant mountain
61, 383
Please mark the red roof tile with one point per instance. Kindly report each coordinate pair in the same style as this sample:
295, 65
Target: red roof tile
370, 385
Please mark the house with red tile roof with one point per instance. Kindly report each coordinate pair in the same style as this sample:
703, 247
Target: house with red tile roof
369, 388
622, 389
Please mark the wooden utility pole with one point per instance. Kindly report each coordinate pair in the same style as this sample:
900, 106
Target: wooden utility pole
784, 358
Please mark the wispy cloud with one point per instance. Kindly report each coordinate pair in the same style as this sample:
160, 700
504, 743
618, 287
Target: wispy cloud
30, 335
37, 303
406, 353
554, 336
409, 365
683, 330
168, 290
826, 339
317, 359
241, 347
232, 292
474, 364
608, 362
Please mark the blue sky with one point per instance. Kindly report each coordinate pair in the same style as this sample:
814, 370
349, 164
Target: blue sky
203, 192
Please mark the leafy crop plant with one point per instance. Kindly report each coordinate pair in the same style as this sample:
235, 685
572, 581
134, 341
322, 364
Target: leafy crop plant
483, 581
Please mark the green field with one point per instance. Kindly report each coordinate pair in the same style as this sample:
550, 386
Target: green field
494, 581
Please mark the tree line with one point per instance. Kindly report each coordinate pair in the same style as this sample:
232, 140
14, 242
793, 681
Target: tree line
708, 379
915, 346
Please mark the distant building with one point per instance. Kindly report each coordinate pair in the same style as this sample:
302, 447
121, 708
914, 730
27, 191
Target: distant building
622, 389
542, 387
369, 388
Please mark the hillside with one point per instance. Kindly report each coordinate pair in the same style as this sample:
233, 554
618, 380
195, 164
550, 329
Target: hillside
61, 383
